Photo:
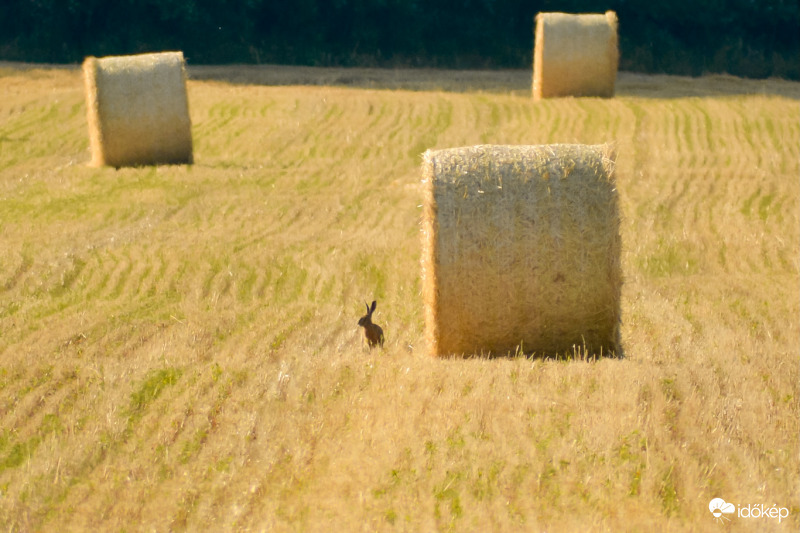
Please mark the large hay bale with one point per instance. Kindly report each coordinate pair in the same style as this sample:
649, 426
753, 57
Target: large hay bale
575, 55
521, 249
138, 111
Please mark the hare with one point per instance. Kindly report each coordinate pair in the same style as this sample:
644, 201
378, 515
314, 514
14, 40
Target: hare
372, 332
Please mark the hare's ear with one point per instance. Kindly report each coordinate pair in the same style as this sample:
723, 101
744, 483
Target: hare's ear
374, 303
365, 303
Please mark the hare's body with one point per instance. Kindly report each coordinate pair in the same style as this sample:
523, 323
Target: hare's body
372, 332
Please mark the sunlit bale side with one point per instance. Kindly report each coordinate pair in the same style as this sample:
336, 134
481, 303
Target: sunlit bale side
138, 110
575, 55
521, 250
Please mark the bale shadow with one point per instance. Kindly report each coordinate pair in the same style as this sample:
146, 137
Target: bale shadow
577, 354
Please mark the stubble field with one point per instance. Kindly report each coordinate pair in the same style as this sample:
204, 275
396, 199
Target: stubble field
179, 350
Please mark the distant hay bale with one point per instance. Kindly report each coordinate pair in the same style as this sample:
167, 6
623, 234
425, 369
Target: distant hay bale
575, 55
521, 249
138, 111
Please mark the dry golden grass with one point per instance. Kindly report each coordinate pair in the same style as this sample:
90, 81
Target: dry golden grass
179, 348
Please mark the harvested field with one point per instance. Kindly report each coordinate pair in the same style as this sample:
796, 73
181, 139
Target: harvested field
179, 345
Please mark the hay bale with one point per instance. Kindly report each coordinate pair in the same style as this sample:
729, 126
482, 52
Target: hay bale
521, 247
575, 55
138, 111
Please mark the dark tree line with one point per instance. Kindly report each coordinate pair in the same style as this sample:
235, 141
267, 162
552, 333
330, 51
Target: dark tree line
754, 38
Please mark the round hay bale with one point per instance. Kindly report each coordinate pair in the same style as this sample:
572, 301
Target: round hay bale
521, 250
137, 110
575, 55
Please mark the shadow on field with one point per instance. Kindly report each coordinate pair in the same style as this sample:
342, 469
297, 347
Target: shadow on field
712, 85
576, 354
516, 81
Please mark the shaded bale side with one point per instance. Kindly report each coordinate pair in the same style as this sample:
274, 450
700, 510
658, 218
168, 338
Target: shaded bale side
521, 250
575, 55
138, 110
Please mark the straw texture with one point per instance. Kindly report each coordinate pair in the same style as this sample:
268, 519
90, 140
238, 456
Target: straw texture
137, 110
575, 55
521, 250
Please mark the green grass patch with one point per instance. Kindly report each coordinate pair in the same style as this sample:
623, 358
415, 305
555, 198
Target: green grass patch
669, 259
150, 389
21, 451
668, 493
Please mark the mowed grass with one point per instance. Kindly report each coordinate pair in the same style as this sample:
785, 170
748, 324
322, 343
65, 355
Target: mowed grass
179, 349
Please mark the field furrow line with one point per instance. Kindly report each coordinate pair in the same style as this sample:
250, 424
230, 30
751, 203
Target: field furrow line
27, 120
690, 122
347, 132
156, 273
516, 124
380, 141
216, 118
727, 131
742, 151
402, 113
97, 273
118, 273
763, 147
392, 140
430, 126
33, 130
668, 138
38, 416
326, 133
15, 267
142, 279
568, 127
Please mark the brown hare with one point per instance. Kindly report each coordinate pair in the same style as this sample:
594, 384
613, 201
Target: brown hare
372, 332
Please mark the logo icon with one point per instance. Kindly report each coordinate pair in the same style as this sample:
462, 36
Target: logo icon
719, 508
